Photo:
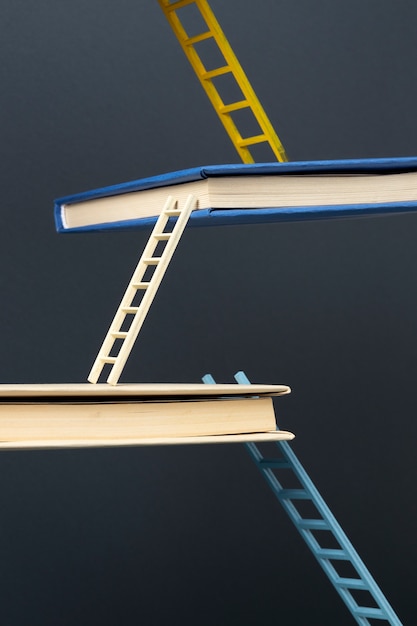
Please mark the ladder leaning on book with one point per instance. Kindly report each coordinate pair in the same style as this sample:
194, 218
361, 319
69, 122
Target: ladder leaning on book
195, 46
370, 603
145, 281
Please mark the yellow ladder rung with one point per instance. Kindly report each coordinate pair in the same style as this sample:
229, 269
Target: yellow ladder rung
191, 41
234, 106
225, 69
250, 141
173, 6
141, 285
119, 335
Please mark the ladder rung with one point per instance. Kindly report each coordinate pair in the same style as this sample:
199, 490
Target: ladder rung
197, 38
119, 335
274, 463
351, 583
329, 553
173, 212
152, 260
364, 611
130, 310
225, 69
141, 285
177, 4
313, 524
293, 494
234, 106
250, 141
108, 359
162, 236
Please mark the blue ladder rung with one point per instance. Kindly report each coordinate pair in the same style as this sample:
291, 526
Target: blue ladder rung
313, 524
293, 494
333, 554
274, 463
350, 583
364, 611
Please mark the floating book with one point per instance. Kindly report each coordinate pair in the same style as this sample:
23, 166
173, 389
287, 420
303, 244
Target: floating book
42, 416
263, 192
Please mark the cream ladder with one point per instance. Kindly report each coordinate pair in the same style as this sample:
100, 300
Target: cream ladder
129, 317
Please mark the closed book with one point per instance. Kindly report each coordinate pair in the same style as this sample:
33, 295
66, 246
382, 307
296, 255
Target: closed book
244, 194
42, 416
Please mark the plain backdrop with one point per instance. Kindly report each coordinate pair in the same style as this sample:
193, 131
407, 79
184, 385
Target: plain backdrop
96, 93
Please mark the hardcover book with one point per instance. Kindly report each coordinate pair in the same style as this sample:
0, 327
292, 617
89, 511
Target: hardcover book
262, 192
78, 415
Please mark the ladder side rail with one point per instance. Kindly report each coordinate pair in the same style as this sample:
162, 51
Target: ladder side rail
150, 293
385, 610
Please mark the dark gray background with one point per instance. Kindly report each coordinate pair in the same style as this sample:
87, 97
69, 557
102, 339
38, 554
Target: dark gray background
99, 92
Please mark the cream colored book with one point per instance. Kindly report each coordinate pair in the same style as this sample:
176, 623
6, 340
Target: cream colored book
112, 421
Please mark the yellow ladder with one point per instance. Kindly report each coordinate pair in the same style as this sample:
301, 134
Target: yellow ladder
229, 65
130, 315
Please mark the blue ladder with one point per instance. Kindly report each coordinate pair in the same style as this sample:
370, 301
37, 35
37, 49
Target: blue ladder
322, 520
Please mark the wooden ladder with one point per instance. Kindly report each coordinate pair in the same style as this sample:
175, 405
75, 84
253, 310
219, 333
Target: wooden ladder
130, 315
212, 35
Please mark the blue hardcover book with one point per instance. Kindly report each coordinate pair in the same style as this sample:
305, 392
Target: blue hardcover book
245, 194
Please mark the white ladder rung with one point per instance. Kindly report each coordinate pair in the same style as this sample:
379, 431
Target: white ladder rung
173, 212
130, 310
152, 260
141, 285
162, 236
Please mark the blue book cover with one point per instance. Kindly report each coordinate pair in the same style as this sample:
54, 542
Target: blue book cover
95, 216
